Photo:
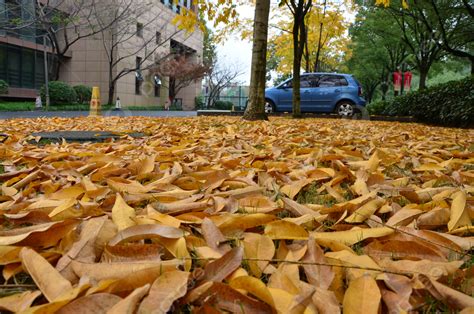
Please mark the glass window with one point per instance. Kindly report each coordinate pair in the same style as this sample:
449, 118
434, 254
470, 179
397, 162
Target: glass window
138, 76
332, 81
39, 70
3, 63
14, 66
28, 69
305, 82
140, 30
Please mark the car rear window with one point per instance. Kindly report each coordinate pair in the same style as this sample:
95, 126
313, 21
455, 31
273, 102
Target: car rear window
332, 80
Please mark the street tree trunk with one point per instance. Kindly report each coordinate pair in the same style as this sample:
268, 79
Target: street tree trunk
256, 106
299, 9
296, 68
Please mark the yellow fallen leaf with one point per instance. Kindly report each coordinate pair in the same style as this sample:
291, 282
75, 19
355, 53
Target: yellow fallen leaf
129, 304
253, 286
365, 211
48, 279
459, 213
362, 296
351, 237
18, 302
165, 290
285, 230
122, 214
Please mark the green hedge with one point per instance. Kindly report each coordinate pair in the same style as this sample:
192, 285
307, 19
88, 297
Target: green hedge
3, 87
377, 107
223, 105
60, 93
449, 104
84, 94
199, 102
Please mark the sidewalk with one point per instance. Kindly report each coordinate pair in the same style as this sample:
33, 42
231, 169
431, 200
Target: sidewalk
110, 113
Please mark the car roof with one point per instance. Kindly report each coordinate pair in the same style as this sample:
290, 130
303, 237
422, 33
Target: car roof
325, 73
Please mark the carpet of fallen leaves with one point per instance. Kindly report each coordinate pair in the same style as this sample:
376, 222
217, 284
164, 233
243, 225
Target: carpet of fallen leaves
209, 215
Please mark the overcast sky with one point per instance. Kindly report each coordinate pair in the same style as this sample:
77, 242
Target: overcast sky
235, 52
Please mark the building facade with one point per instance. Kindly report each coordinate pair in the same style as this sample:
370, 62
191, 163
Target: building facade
126, 49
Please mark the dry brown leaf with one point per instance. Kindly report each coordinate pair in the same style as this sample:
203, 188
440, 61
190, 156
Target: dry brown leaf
95, 303
165, 290
48, 279
221, 268
150, 231
130, 303
318, 275
18, 302
446, 294
362, 296
101, 271
224, 298
122, 214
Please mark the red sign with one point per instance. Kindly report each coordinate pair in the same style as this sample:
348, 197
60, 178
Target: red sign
397, 81
407, 81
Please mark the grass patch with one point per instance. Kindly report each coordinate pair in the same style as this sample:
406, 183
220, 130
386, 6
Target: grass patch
30, 106
17, 106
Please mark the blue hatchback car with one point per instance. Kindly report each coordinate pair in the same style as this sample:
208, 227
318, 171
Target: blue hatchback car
320, 92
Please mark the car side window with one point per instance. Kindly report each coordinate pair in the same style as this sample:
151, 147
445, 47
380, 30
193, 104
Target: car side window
305, 82
288, 84
332, 81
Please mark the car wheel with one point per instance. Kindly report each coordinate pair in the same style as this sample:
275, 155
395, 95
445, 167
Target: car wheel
269, 106
345, 109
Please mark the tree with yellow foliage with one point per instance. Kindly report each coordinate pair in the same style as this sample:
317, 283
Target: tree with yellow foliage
326, 47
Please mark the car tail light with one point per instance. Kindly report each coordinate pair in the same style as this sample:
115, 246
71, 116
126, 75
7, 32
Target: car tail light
360, 91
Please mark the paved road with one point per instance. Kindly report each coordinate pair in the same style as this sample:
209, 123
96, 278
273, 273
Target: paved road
72, 114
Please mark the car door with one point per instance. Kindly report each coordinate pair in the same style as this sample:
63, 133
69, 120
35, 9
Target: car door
328, 91
306, 94
285, 96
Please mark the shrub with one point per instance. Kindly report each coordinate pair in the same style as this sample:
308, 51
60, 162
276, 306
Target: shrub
3, 87
84, 93
60, 93
199, 102
377, 107
223, 105
450, 104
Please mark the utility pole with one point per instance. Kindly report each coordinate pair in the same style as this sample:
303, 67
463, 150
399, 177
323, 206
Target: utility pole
46, 75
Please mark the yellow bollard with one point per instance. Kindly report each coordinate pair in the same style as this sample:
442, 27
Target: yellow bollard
95, 103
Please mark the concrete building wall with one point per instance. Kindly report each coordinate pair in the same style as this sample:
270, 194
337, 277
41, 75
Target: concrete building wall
89, 64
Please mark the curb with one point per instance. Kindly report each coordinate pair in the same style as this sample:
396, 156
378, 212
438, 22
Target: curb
216, 113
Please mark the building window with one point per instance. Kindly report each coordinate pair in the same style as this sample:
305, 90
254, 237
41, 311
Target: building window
22, 67
140, 30
158, 38
138, 76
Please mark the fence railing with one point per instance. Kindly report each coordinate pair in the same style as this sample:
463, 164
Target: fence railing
239, 102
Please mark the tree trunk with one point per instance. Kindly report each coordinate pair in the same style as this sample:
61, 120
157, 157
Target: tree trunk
110, 98
318, 52
256, 107
423, 77
297, 42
